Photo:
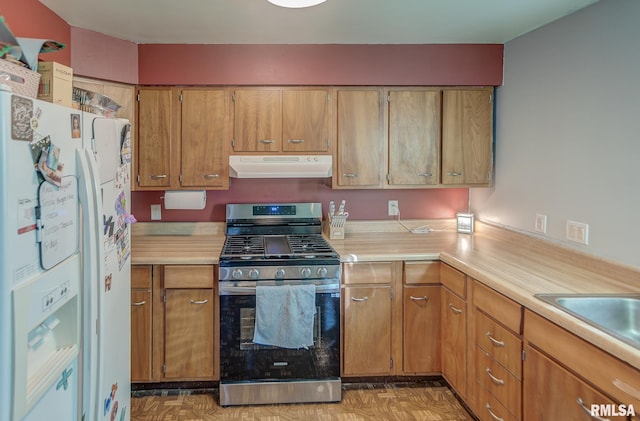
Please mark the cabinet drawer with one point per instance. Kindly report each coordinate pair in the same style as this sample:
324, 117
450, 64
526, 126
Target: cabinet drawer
498, 381
188, 276
497, 341
614, 377
498, 306
453, 279
141, 276
421, 273
368, 273
490, 409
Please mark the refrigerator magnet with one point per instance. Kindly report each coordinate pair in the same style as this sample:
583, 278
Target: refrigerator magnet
21, 116
50, 165
75, 126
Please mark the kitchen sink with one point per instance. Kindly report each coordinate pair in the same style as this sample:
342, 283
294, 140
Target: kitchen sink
617, 315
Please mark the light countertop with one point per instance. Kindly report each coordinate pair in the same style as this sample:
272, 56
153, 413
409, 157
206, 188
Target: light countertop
514, 264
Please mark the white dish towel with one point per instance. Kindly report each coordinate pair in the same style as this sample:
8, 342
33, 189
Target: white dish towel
285, 315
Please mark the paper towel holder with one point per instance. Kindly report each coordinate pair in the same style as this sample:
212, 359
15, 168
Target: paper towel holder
185, 199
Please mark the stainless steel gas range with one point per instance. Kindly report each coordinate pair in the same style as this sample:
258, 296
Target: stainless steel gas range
279, 307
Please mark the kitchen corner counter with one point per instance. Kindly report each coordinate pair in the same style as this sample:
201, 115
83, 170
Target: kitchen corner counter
514, 264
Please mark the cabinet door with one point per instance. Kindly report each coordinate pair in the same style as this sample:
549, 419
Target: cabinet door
141, 335
421, 330
359, 139
367, 331
552, 393
414, 137
305, 123
155, 117
454, 340
467, 136
257, 120
189, 334
204, 132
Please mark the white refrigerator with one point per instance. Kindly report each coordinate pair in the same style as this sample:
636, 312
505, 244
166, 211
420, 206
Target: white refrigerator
64, 263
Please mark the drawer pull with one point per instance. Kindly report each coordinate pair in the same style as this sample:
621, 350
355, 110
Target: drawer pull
138, 304
494, 340
494, 378
205, 301
425, 174
266, 141
494, 416
588, 411
157, 176
350, 174
454, 174
425, 298
210, 176
359, 300
454, 309
295, 140
627, 388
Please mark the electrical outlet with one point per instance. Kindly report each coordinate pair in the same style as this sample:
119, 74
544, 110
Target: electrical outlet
393, 208
541, 223
156, 212
578, 232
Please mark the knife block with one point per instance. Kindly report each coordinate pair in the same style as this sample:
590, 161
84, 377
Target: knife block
335, 226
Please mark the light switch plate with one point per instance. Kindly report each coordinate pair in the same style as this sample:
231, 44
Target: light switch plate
578, 232
541, 223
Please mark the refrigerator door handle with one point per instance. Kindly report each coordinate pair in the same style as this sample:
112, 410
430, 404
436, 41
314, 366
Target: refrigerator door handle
92, 273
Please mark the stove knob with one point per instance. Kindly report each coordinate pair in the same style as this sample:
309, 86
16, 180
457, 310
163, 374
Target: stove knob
254, 273
237, 274
305, 272
321, 272
280, 273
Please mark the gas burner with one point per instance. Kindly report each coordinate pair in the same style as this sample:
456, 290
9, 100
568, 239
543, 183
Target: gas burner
243, 246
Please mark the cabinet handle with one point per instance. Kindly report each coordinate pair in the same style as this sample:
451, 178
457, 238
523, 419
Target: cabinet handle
210, 176
205, 301
454, 309
359, 299
266, 141
588, 411
295, 140
349, 174
425, 174
494, 378
627, 388
494, 416
454, 174
141, 303
425, 298
157, 176
494, 340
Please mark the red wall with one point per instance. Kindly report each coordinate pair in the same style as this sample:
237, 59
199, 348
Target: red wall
361, 204
31, 19
334, 64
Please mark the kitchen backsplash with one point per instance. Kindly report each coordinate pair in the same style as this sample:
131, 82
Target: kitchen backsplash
361, 204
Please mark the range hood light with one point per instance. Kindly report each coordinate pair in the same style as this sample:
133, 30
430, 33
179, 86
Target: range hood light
296, 4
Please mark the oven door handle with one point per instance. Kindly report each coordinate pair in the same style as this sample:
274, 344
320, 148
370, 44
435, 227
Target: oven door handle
251, 290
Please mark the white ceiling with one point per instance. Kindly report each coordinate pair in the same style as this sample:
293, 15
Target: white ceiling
333, 22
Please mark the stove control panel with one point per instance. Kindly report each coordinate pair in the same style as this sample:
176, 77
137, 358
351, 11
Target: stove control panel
273, 272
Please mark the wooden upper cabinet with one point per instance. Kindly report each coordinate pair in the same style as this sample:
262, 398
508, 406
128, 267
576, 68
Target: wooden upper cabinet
467, 136
289, 120
155, 118
305, 120
257, 120
204, 133
359, 139
414, 137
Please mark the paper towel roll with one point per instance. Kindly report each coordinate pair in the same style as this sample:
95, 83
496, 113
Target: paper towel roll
183, 199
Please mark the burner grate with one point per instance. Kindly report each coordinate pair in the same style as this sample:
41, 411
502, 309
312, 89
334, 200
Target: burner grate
243, 245
309, 244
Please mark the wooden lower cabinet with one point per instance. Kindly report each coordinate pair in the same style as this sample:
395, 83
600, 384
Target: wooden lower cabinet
454, 340
188, 334
553, 393
421, 329
141, 318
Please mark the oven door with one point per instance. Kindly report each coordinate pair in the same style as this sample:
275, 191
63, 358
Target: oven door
242, 360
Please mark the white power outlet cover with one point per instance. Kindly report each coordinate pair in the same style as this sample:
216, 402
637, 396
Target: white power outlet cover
156, 212
541, 223
393, 207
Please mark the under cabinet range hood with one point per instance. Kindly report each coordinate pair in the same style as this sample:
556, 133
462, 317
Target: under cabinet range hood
280, 166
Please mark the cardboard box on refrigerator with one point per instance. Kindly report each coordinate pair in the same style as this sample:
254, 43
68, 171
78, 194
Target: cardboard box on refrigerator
56, 83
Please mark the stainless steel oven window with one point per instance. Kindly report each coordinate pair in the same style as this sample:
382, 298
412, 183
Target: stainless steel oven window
247, 327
